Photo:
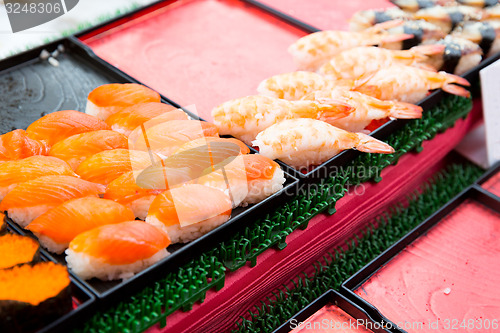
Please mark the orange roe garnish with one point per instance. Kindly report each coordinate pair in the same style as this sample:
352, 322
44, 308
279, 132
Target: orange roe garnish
16, 250
33, 284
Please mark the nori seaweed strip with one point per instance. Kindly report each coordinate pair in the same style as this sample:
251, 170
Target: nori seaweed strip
456, 18
24, 317
416, 31
451, 57
488, 36
425, 3
382, 16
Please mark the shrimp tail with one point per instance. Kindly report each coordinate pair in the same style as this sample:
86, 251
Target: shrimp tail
384, 26
402, 110
451, 78
456, 90
369, 144
325, 109
430, 49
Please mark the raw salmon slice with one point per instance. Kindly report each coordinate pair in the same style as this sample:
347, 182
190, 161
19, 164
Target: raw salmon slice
60, 125
75, 149
17, 145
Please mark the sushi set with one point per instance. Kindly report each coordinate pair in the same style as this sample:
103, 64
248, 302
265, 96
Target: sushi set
120, 185
331, 311
457, 238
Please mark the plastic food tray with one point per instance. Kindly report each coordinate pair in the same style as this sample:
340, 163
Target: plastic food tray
80, 71
474, 193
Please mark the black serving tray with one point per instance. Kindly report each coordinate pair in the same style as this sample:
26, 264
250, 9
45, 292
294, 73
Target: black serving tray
354, 282
330, 297
80, 70
84, 302
495, 169
342, 159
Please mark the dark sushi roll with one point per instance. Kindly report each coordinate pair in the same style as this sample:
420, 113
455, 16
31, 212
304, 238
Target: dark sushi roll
18, 250
3, 225
32, 296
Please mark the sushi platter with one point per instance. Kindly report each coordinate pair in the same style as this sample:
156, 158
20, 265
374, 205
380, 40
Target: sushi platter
76, 58
452, 219
121, 182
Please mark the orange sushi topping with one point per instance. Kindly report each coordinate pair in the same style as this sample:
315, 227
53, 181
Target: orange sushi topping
116, 94
17, 145
16, 250
122, 243
33, 284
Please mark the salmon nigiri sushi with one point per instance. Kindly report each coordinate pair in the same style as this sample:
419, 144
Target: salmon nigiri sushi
16, 145
75, 149
116, 251
33, 198
190, 211
60, 125
167, 137
106, 166
108, 99
13, 173
153, 113
248, 179
212, 139
56, 228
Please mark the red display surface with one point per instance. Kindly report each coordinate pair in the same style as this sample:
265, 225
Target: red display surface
325, 14
493, 184
247, 286
445, 280
330, 318
200, 52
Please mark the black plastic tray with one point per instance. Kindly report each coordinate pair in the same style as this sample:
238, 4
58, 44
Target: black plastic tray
495, 169
83, 71
83, 299
381, 133
330, 297
475, 193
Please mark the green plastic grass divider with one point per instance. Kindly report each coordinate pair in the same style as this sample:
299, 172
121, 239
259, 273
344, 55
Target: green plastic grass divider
172, 292
338, 265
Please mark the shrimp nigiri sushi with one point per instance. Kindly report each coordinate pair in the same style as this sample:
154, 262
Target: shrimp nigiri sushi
106, 166
190, 211
130, 118
16, 145
248, 179
75, 149
167, 137
108, 99
305, 142
13, 173
116, 251
60, 125
33, 198
59, 226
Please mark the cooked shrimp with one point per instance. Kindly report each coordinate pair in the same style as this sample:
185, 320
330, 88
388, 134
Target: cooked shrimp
459, 56
245, 117
410, 84
294, 85
414, 5
305, 142
365, 19
367, 108
421, 30
352, 64
313, 50
485, 34
447, 18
